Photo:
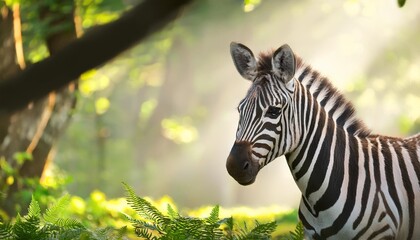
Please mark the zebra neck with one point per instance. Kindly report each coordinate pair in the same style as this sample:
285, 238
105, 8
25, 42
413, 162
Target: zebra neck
320, 154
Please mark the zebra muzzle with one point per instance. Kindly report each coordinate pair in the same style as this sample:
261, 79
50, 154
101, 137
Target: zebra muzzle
240, 164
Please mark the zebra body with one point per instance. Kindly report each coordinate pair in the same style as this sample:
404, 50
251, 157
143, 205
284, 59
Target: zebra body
354, 184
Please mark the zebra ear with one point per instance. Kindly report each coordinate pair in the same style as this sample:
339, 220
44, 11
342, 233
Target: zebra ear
244, 60
284, 63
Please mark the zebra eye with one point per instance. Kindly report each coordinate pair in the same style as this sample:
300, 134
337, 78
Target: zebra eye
273, 112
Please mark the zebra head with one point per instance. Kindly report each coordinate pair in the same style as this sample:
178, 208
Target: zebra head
264, 113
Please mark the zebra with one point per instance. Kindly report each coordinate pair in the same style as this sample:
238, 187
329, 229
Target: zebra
354, 184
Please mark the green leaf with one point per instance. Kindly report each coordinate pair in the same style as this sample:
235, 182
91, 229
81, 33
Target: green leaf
214, 215
401, 3
121, 233
260, 231
28, 228
68, 224
52, 214
263, 230
34, 210
144, 233
171, 212
6, 231
297, 234
6, 167
21, 157
143, 207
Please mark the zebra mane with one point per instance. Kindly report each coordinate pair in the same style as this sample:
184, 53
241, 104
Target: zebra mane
329, 97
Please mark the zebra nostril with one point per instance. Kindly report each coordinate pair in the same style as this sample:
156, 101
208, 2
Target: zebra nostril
246, 165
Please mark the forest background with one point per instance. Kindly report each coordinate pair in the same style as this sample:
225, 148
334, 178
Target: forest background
162, 115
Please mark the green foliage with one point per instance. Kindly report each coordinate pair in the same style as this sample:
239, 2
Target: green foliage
52, 214
28, 187
260, 231
21, 157
71, 217
401, 3
153, 224
297, 234
6, 231
51, 225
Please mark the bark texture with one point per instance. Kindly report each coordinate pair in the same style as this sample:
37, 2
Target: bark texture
35, 128
90, 51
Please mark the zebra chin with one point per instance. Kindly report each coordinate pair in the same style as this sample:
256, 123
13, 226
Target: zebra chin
240, 164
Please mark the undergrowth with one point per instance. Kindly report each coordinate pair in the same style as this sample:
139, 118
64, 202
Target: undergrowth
148, 223
155, 225
49, 225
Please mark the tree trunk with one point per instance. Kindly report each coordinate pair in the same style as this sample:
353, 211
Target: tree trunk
92, 50
35, 129
8, 65
59, 104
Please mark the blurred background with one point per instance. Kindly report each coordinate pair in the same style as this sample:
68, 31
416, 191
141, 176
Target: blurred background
162, 116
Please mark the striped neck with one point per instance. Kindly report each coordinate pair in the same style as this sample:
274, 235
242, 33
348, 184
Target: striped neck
320, 154
325, 119
318, 133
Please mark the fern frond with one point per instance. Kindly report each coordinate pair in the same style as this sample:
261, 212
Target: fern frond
68, 223
227, 224
150, 227
97, 234
142, 227
144, 233
260, 231
120, 233
28, 228
103, 233
212, 224
144, 208
297, 234
52, 214
264, 230
143, 224
242, 233
6, 231
171, 212
34, 209
183, 228
50, 230
84, 233
214, 216
51, 226
73, 233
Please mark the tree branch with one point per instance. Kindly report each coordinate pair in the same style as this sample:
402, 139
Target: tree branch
92, 50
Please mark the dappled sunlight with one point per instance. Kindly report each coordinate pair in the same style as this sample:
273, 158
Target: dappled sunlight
78, 205
250, 5
102, 105
263, 213
93, 81
179, 130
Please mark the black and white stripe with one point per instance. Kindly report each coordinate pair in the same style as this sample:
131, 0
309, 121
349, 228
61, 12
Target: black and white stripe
354, 184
